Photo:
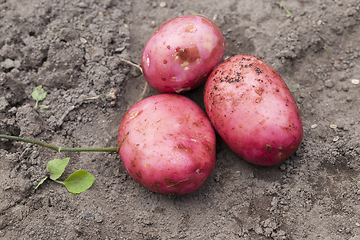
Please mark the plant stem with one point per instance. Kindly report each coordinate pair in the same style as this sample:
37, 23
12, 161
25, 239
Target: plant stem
59, 149
288, 12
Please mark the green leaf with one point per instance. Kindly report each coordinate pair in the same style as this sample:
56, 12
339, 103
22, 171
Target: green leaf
38, 94
56, 167
41, 182
79, 181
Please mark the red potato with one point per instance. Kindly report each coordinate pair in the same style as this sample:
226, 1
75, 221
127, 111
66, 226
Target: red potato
167, 144
253, 111
181, 54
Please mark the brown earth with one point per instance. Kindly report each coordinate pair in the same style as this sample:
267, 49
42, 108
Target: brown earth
60, 45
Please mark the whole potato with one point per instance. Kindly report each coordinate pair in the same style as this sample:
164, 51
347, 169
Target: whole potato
253, 110
167, 144
181, 54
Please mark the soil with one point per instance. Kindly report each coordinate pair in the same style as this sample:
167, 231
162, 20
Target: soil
73, 49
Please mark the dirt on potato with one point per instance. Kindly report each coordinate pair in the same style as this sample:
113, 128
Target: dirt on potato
74, 50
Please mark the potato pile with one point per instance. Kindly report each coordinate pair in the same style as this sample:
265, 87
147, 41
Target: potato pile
167, 143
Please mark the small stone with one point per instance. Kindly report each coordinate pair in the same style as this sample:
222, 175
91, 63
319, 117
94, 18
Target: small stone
12, 110
329, 83
68, 99
162, 4
217, 177
98, 218
82, 5
3, 103
335, 139
345, 88
302, 95
119, 50
8, 64
215, 17
314, 125
355, 81
350, 12
258, 230
333, 126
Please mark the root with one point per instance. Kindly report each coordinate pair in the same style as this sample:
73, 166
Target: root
144, 91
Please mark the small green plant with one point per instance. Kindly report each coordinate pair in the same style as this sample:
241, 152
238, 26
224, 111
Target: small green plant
77, 182
288, 12
327, 50
38, 95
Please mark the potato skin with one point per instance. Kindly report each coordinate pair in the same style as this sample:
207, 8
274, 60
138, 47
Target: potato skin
181, 54
253, 110
167, 144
